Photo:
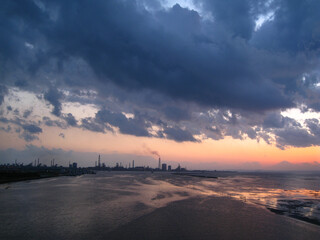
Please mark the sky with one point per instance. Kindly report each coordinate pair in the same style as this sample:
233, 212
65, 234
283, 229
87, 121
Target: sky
209, 84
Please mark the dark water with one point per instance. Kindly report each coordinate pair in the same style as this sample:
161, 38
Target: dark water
89, 206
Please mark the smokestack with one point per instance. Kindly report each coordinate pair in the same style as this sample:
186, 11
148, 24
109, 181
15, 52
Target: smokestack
132, 163
159, 164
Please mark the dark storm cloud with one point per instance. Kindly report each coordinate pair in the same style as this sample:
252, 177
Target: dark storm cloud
53, 96
27, 113
133, 52
159, 62
16, 112
314, 126
65, 121
274, 120
178, 134
7, 129
27, 130
71, 121
133, 126
236, 17
32, 128
28, 137
296, 137
295, 27
91, 125
215, 133
53, 123
211, 74
21, 83
10, 14
293, 134
176, 113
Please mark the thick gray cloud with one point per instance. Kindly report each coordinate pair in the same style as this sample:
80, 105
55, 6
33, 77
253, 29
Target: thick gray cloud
168, 67
178, 134
53, 96
123, 51
28, 137
294, 28
53, 123
237, 17
70, 119
176, 113
32, 128
6, 129
293, 134
133, 126
27, 113
91, 125
30, 132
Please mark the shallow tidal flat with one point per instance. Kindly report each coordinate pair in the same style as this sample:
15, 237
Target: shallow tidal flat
142, 205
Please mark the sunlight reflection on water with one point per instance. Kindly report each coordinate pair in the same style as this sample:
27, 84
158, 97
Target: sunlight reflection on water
296, 202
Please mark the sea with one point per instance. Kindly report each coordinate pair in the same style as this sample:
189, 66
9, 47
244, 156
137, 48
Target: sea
89, 206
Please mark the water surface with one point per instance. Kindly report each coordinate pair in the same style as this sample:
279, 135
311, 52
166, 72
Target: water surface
89, 206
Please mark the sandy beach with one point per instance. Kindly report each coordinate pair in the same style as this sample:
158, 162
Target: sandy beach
214, 218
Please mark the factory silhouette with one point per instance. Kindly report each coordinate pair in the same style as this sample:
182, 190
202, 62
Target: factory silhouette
35, 170
131, 167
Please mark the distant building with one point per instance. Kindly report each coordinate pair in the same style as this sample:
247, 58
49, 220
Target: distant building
74, 165
164, 167
178, 168
169, 167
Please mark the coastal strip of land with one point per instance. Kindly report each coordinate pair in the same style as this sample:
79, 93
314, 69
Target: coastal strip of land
24, 174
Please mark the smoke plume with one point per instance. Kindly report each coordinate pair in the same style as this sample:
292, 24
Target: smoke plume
149, 151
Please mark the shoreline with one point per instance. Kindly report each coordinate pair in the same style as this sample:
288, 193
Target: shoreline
19, 177
24, 176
